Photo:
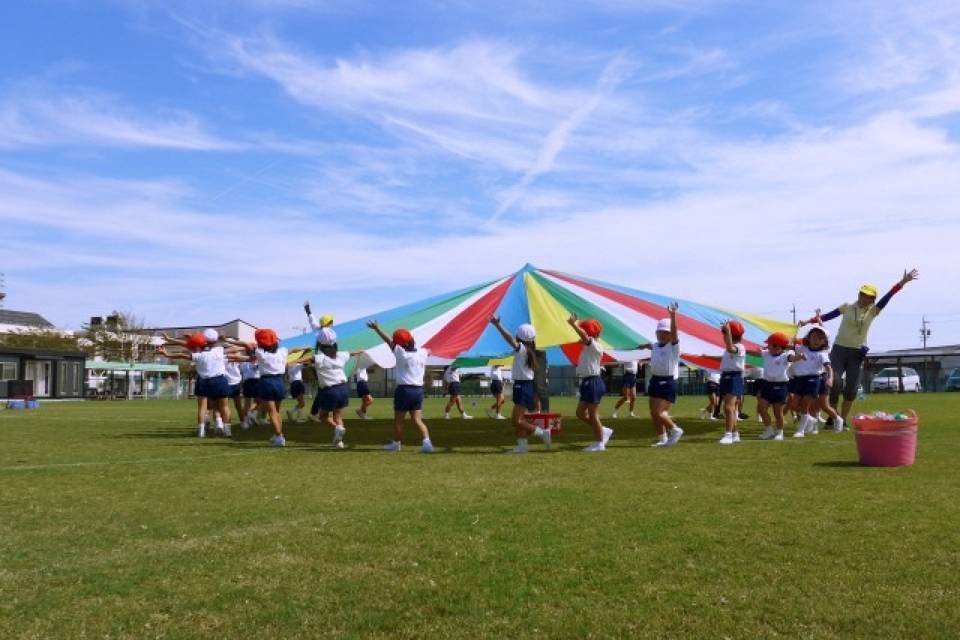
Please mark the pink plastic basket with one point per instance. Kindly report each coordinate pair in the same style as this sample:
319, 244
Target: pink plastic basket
887, 443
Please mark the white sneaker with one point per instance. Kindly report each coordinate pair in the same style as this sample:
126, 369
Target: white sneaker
338, 437
713, 417
779, 436
736, 436
675, 434
768, 433
633, 415
662, 442
467, 416
760, 419
202, 433
607, 434
392, 446
278, 441
799, 434
838, 425
227, 433
727, 438
245, 424
522, 447
360, 414
426, 447
313, 418
547, 438
595, 448
367, 416
614, 415
500, 416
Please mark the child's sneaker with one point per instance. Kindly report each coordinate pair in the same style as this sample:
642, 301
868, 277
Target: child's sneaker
662, 441
675, 434
392, 446
736, 436
596, 447
467, 416
607, 434
427, 446
727, 438
522, 447
838, 425
547, 437
779, 436
227, 433
768, 433
500, 416
338, 437
278, 441
614, 414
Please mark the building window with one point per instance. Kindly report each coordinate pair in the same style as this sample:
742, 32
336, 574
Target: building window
8, 370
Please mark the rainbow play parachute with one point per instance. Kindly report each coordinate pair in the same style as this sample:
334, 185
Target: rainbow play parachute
455, 327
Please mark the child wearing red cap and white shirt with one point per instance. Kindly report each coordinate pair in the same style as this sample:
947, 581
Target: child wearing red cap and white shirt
271, 361
732, 365
211, 378
408, 396
592, 387
777, 359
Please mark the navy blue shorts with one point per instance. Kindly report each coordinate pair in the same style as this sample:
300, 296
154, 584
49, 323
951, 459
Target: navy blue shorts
758, 386
212, 388
235, 390
629, 381
663, 387
793, 387
250, 387
496, 387
824, 389
271, 388
592, 389
333, 398
808, 385
297, 389
408, 397
524, 394
712, 388
731, 383
453, 389
774, 392
363, 389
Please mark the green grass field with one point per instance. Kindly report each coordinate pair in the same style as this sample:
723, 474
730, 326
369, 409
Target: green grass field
116, 522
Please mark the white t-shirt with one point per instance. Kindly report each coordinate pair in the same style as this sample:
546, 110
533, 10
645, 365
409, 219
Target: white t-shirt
249, 370
775, 367
451, 375
295, 372
734, 361
272, 364
814, 364
520, 370
232, 371
330, 370
665, 360
792, 370
411, 365
360, 375
589, 363
714, 378
496, 374
631, 367
210, 363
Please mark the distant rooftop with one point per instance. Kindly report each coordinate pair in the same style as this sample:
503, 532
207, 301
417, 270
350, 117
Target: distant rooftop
24, 319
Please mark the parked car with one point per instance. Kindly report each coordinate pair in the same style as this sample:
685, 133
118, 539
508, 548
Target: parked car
887, 380
953, 380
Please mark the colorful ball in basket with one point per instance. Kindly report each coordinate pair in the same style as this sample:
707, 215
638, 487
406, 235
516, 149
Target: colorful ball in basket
886, 443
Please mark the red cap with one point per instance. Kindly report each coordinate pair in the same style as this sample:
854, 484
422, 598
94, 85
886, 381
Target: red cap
266, 338
591, 327
196, 341
736, 329
778, 339
402, 337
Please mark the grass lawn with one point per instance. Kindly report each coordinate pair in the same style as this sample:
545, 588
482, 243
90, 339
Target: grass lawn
116, 522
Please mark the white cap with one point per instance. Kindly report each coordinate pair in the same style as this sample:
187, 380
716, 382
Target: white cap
211, 335
327, 336
526, 332
663, 325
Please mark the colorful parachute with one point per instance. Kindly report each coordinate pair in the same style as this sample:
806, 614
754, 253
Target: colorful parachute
455, 326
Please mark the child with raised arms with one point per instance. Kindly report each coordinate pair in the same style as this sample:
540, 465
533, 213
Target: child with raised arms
732, 365
333, 394
664, 371
408, 395
592, 387
524, 367
496, 390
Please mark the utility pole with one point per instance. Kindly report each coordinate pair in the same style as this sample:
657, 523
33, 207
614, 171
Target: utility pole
924, 332
3, 293
793, 310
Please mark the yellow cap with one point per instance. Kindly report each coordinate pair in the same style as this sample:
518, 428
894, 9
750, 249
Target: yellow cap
869, 290
326, 321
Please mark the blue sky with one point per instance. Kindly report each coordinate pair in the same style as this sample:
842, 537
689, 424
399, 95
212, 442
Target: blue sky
198, 161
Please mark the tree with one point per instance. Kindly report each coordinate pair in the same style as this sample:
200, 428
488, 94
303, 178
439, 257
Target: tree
41, 339
119, 337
